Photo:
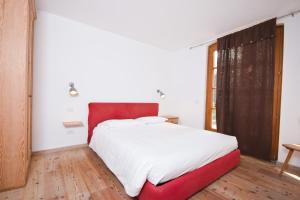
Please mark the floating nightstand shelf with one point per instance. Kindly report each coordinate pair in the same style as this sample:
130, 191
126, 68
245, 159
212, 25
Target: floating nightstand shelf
72, 124
172, 119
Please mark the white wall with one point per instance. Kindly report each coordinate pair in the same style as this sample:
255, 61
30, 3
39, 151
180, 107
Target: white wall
189, 81
290, 99
104, 67
107, 67
187, 91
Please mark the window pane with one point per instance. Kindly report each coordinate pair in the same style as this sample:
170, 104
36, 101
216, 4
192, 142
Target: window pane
214, 122
214, 92
215, 79
215, 58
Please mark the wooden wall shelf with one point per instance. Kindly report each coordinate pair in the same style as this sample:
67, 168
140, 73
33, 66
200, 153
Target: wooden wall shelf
72, 124
172, 119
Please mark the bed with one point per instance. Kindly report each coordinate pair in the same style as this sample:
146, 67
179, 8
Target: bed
158, 161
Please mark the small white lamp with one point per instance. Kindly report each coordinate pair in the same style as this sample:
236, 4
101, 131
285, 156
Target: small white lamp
72, 91
161, 94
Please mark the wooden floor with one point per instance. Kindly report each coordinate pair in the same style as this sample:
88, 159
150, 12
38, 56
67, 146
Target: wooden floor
80, 174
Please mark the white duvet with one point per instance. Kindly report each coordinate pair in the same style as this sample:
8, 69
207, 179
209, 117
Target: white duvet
157, 152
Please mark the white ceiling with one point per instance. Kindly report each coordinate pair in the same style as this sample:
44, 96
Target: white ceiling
169, 24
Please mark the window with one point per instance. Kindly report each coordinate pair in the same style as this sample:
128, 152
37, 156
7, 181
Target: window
210, 118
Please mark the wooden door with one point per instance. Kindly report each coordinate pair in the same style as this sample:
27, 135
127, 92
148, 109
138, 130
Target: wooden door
14, 54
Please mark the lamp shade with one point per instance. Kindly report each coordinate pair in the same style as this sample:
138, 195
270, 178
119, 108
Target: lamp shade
161, 94
72, 90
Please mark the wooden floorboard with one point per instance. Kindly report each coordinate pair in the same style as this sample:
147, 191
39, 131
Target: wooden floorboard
80, 174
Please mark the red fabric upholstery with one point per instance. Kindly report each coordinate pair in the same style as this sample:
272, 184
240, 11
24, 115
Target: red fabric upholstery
99, 112
179, 188
190, 183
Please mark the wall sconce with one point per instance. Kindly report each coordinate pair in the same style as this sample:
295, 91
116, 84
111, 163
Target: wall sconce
161, 94
72, 91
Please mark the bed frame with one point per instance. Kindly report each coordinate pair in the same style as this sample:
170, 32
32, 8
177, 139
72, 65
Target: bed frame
176, 189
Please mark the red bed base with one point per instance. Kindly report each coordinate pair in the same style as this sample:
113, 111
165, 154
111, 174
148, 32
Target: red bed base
192, 182
176, 189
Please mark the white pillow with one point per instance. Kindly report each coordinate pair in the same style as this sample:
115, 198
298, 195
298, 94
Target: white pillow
152, 120
112, 123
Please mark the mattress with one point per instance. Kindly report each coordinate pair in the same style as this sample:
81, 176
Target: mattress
157, 152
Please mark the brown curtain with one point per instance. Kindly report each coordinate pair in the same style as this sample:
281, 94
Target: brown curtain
245, 84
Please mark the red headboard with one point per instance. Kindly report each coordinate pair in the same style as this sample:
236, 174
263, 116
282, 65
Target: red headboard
99, 112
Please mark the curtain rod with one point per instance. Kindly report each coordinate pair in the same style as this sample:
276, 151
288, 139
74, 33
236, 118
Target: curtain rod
292, 14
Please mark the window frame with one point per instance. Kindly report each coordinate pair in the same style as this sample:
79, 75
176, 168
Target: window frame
279, 45
209, 87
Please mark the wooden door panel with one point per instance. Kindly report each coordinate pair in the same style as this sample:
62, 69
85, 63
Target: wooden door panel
14, 71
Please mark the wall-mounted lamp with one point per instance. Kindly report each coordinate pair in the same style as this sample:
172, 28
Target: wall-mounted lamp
72, 91
161, 94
